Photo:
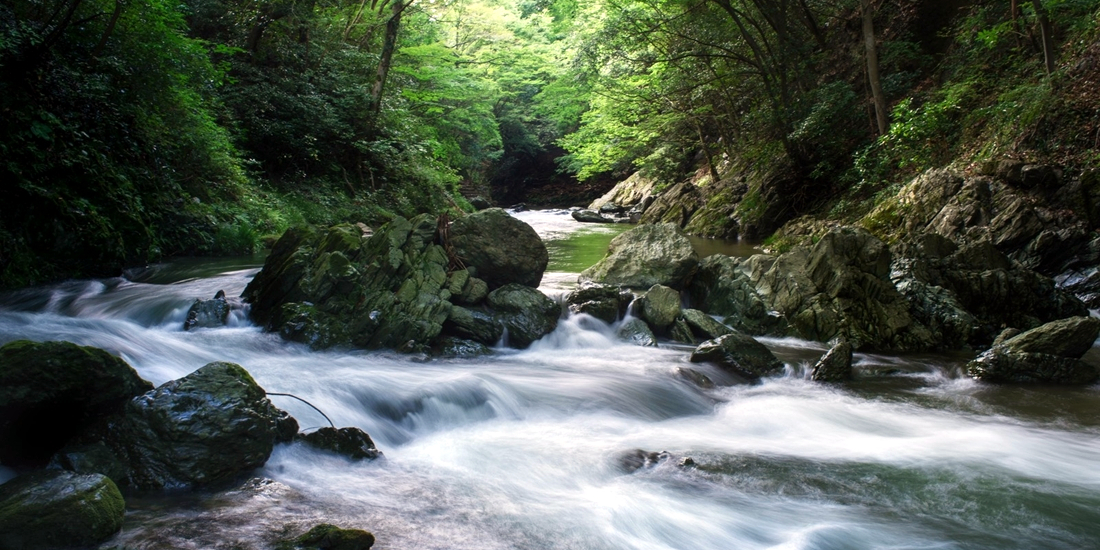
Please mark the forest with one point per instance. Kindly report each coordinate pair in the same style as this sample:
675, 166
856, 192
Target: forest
136, 131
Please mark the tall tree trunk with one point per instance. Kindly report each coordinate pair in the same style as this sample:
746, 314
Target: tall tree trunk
111, 24
872, 67
389, 44
1045, 29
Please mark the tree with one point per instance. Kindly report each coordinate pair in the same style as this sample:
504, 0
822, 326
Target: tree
872, 66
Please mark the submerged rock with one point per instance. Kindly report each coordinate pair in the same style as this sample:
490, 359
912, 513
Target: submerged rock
638, 459
459, 348
350, 442
740, 354
503, 249
835, 365
590, 216
330, 537
56, 509
645, 256
51, 391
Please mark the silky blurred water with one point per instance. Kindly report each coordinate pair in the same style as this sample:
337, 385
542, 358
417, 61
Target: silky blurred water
521, 449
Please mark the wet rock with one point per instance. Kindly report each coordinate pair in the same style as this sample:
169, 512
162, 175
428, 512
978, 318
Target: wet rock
590, 216
604, 302
695, 377
1002, 366
835, 365
637, 459
681, 332
740, 354
51, 391
660, 307
674, 205
703, 325
208, 313
524, 312
473, 292
202, 429
330, 537
473, 324
724, 286
645, 256
458, 348
350, 442
637, 332
339, 288
1005, 335
1070, 337
56, 509
503, 249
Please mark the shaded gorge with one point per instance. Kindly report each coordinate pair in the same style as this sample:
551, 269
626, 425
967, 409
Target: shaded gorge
525, 448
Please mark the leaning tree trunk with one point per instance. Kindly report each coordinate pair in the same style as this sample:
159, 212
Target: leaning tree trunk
1048, 40
872, 67
389, 43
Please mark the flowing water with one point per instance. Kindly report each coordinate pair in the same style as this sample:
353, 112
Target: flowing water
523, 449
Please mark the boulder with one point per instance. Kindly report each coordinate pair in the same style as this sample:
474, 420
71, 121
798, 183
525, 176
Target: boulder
1002, 366
636, 332
330, 537
660, 307
645, 256
350, 442
473, 292
524, 312
480, 203
590, 216
681, 332
473, 324
208, 313
341, 288
604, 302
205, 428
57, 509
1070, 337
704, 325
503, 249
738, 353
51, 391
835, 365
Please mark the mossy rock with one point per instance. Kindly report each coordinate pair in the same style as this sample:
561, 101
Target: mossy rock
330, 537
57, 509
50, 391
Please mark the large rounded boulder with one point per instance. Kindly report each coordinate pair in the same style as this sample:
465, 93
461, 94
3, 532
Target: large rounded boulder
205, 428
647, 255
58, 509
51, 391
502, 249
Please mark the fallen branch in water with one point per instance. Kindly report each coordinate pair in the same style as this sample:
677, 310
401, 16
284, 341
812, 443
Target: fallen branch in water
307, 403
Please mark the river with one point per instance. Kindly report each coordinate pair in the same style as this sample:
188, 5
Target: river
522, 449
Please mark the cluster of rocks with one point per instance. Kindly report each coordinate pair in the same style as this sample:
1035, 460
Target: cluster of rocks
413, 285
97, 427
849, 288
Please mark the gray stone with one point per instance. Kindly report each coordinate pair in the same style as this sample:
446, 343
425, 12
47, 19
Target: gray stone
835, 365
350, 442
503, 249
738, 353
637, 332
55, 509
589, 216
607, 303
208, 313
1070, 337
659, 307
1002, 366
703, 325
645, 256
473, 324
524, 312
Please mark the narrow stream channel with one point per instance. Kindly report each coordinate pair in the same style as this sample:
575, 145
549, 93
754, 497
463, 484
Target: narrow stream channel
521, 449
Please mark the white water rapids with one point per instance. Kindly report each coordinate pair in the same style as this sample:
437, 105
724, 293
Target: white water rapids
522, 449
